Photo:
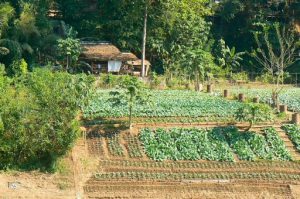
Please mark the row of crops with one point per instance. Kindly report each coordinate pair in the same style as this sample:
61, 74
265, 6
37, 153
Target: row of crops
137, 175
218, 144
200, 165
293, 131
289, 96
167, 103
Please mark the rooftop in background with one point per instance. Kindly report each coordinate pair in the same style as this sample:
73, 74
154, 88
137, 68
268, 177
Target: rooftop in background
138, 62
104, 51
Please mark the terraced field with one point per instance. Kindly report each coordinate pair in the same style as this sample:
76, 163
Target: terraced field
134, 175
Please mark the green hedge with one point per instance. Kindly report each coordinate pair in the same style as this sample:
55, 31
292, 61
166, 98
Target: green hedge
37, 117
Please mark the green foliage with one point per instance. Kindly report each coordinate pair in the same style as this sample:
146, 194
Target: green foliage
293, 131
249, 145
38, 113
114, 146
214, 144
26, 23
155, 80
276, 145
242, 76
254, 113
239, 144
165, 103
14, 51
200, 63
258, 145
265, 78
174, 27
186, 144
19, 67
130, 94
70, 50
134, 147
6, 13
288, 96
228, 57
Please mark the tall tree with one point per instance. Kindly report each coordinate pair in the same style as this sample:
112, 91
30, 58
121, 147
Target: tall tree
6, 13
275, 55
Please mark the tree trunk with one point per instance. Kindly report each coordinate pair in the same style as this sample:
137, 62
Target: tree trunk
197, 82
144, 40
68, 62
130, 115
250, 126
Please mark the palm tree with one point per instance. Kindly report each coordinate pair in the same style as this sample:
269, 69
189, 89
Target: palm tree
232, 59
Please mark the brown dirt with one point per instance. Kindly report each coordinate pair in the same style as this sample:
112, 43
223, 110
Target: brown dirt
186, 190
39, 185
68, 182
295, 191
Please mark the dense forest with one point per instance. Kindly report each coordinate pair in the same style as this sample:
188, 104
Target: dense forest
181, 34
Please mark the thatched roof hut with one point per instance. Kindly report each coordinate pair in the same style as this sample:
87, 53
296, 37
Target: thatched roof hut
105, 57
104, 52
99, 51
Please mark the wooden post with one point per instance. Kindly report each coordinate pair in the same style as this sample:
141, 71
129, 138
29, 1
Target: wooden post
226, 93
209, 88
296, 119
283, 108
256, 100
241, 97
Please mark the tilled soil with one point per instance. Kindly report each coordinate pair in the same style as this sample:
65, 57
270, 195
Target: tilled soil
125, 177
185, 190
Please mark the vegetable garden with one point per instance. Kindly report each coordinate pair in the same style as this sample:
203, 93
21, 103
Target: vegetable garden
172, 103
183, 136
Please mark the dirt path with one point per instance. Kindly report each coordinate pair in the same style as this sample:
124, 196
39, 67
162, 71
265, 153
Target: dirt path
289, 144
84, 165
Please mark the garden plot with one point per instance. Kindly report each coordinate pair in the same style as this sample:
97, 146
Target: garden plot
145, 164
171, 105
193, 144
217, 144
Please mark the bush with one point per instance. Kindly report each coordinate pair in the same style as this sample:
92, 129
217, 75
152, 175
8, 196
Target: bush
265, 78
38, 112
254, 113
243, 76
14, 51
109, 80
19, 67
155, 80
